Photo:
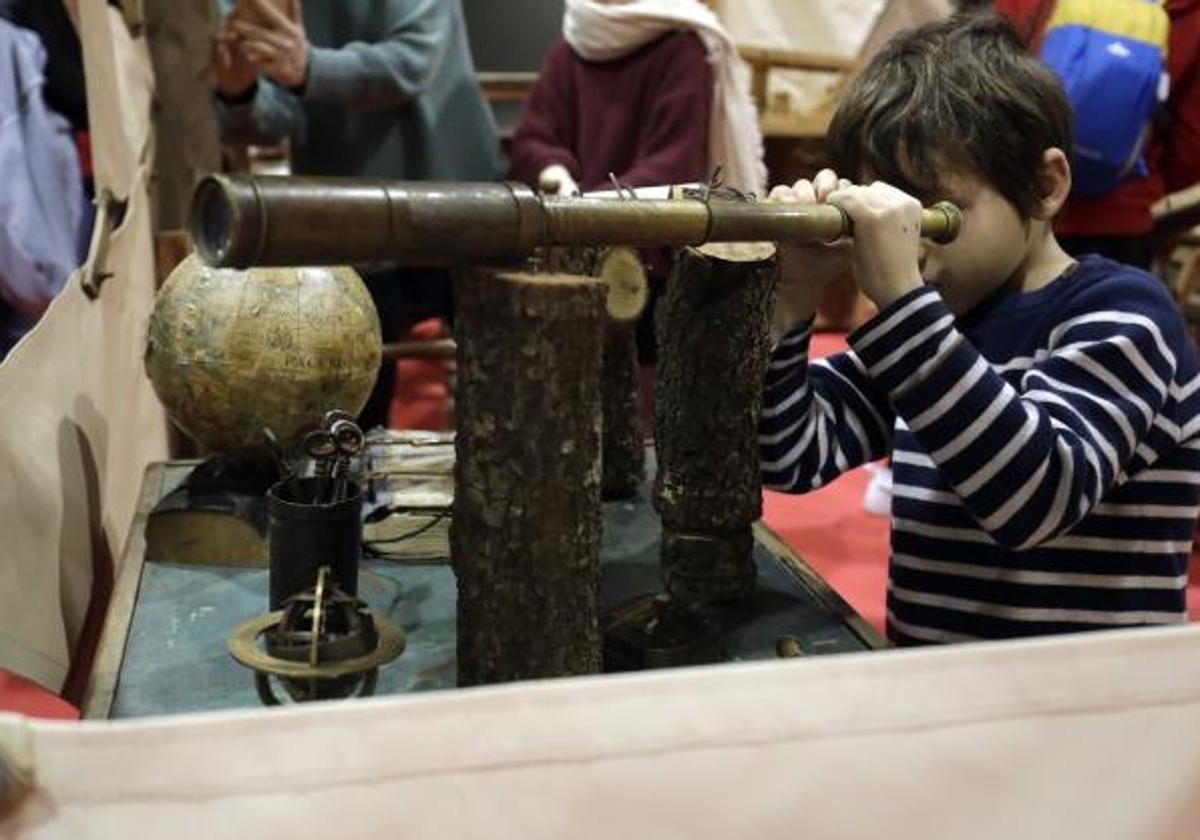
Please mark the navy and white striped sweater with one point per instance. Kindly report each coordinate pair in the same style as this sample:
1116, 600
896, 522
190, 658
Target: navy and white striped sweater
1046, 452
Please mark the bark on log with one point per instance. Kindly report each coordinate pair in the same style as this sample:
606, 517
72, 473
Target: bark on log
525, 536
623, 450
713, 342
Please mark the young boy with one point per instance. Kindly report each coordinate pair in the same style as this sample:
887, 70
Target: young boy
1042, 413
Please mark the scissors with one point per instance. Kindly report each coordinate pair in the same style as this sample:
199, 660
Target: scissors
331, 448
348, 439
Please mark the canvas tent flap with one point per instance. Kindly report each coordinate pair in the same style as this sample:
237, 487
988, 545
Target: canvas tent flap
845, 29
1094, 735
79, 417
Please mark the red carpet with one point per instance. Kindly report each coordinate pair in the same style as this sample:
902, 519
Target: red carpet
832, 533
422, 385
26, 698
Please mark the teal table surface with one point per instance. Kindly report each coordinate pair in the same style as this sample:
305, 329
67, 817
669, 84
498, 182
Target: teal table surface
164, 648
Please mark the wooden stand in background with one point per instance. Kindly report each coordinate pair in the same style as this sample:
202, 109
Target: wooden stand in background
712, 352
180, 36
525, 537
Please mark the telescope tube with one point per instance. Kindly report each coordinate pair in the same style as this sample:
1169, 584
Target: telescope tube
241, 221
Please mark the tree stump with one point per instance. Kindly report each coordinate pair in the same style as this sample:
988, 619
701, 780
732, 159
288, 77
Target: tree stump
713, 325
623, 450
525, 536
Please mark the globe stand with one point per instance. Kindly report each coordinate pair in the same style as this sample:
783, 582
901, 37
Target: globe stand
217, 516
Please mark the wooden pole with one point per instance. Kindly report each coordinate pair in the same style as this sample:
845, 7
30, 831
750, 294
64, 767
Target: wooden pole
180, 36
525, 536
712, 354
436, 348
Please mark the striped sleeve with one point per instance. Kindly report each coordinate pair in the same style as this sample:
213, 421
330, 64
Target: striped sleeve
1028, 462
820, 419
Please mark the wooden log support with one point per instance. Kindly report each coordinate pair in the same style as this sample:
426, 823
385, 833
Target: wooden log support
623, 449
525, 536
712, 353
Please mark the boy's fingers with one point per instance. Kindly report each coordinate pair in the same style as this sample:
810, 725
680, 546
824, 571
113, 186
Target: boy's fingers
825, 183
804, 192
779, 192
844, 197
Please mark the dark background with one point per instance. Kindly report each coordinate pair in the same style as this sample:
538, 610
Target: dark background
511, 36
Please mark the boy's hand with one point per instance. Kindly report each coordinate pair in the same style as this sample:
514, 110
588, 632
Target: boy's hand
807, 269
887, 239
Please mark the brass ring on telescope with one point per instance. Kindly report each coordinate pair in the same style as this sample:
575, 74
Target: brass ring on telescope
953, 222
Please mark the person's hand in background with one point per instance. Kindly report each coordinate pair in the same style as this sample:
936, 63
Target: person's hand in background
273, 41
235, 75
555, 179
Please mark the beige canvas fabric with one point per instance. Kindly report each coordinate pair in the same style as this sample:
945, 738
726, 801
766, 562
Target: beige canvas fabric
78, 420
1092, 736
844, 28
836, 28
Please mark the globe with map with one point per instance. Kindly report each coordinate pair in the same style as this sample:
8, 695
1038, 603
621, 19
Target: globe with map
231, 353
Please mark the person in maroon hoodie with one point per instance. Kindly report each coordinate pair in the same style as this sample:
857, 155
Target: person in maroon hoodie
1118, 224
644, 117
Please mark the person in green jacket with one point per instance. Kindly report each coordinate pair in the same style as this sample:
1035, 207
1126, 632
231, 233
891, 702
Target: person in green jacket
368, 89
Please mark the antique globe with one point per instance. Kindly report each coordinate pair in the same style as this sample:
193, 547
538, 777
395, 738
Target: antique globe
231, 353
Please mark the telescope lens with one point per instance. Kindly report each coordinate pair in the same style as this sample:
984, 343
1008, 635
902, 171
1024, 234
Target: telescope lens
212, 221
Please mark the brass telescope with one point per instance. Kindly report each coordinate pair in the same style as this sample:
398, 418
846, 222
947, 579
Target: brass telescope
242, 221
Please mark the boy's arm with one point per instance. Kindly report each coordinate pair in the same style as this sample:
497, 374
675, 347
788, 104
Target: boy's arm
822, 419
1029, 462
818, 419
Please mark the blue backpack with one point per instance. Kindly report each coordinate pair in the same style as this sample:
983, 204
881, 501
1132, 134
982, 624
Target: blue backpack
1110, 56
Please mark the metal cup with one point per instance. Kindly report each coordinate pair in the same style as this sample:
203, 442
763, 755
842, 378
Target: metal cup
303, 537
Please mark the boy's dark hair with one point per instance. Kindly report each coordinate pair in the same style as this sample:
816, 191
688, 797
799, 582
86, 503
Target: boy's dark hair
961, 93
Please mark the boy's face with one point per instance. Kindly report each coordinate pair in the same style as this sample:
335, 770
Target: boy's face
992, 247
